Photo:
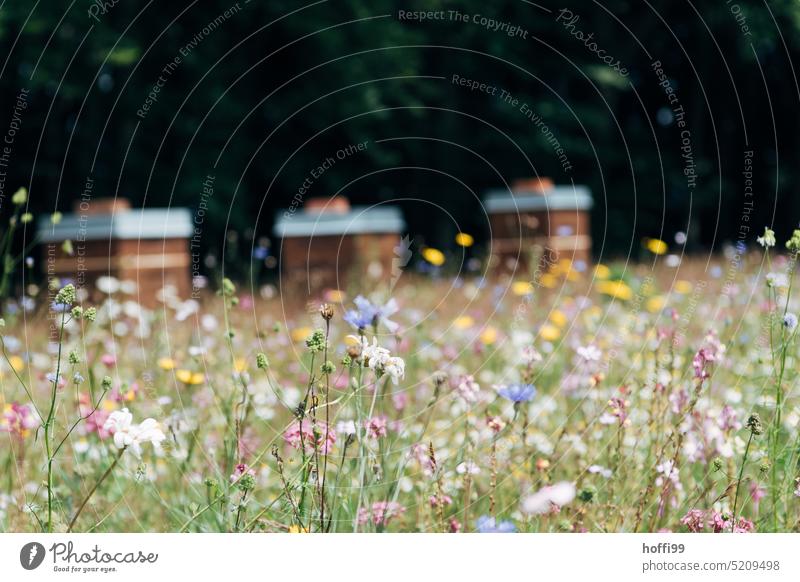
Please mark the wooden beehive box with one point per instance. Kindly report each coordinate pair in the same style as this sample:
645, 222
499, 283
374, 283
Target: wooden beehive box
149, 246
322, 244
556, 218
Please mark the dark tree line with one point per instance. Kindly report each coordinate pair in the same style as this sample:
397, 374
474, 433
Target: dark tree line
263, 92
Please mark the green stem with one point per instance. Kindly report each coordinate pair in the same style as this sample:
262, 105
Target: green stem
96, 485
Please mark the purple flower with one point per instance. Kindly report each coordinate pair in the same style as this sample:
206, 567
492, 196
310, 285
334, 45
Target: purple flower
368, 313
518, 392
488, 524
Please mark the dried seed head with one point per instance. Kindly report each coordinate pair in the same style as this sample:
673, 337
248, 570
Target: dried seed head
326, 311
754, 424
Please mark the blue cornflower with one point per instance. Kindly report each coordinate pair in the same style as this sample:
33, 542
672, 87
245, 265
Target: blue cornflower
488, 524
368, 313
518, 392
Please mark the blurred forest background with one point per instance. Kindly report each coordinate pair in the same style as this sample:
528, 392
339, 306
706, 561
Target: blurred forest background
274, 89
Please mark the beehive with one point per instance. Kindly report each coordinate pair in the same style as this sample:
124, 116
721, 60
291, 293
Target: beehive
322, 244
556, 218
149, 246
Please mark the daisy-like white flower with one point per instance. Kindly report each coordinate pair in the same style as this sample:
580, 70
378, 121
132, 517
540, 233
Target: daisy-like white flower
559, 494
396, 368
768, 239
129, 435
381, 361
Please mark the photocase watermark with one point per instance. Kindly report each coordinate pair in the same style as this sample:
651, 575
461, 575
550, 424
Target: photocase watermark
100, 8
524, 108
568, 19
316, 173
67, 559
31, 555
490, 24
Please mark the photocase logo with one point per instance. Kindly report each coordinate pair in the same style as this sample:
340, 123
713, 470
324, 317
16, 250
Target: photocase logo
31, 555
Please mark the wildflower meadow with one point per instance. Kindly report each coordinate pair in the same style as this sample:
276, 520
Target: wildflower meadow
620, 397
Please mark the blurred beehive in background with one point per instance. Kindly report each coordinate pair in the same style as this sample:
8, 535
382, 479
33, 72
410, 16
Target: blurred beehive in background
326, 241
149, 246
537, 213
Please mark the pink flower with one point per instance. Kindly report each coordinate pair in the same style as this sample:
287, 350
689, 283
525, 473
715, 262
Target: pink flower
18, 420
312, 436
95, 420
108, 360
468, 388
694, 520
241, 470
440, 501
381, 513
743, 526
701, 362
400, 400
757, 493
619, 408
376, 427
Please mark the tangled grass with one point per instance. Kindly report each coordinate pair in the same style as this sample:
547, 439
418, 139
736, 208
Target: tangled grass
615, 399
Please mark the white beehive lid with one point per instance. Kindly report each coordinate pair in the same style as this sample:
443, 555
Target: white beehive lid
558, 198
359, 220
139, 223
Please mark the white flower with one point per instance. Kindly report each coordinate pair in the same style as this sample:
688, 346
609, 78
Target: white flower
127, 434
396, 368
768, 240
468, 468
779, 280
376, 356
107, 285
347, 427
543, 500
589, 353
381, 361
600, 470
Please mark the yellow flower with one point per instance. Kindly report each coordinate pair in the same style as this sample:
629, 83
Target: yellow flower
297, 529
17, 363
655, 246
240, 365
521, 288
463, 322
129, 395
489, 336
352, 340
166, 363
655, 304
558, 318
434, 256
190, 378
300, 334
464, 240
548, 280
109, 405
602, 272
615, 289
549, 332
682, 287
